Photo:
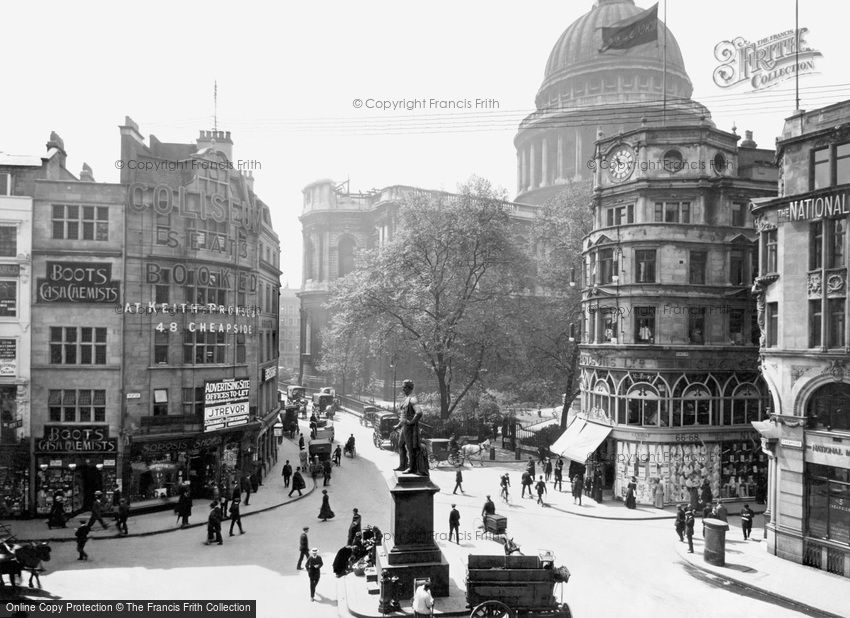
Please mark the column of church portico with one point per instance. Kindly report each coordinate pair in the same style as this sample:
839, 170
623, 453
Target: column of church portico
559, 165
532, 164
578, 169
523, 185
518, 171
544, 162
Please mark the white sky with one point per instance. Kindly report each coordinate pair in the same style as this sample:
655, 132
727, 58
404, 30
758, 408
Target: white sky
288, 72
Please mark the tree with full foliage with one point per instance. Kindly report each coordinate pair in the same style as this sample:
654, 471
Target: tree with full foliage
442, 287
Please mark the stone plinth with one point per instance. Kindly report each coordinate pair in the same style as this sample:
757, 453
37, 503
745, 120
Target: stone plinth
413, 552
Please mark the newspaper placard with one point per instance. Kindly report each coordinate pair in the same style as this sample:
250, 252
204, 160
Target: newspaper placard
226, 403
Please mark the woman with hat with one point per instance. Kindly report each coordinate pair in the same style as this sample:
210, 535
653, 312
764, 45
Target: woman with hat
325, 513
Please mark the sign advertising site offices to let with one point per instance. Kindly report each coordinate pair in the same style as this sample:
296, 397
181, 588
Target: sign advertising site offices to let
226, 403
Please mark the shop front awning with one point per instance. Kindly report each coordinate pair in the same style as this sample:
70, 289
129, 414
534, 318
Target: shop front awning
580, 440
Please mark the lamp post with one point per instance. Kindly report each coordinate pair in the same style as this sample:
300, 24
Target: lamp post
393, 367
72, 467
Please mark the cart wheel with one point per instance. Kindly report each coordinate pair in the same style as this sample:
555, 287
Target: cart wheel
453, 459
492, 609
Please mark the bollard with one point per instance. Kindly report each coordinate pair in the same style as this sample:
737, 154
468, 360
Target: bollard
517, 454
492, 453
715, 541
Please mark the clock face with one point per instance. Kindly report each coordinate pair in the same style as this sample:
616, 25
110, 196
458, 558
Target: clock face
621, 163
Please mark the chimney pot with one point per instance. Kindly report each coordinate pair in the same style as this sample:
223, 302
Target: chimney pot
227, 134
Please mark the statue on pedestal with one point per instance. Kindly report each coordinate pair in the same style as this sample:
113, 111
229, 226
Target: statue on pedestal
412, 457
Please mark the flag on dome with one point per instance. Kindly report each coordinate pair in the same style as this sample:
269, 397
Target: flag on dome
631, 32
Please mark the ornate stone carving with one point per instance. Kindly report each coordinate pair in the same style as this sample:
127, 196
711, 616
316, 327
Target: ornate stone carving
762, 224
759, 292
835, 282
814, 284
836, 369
798, 371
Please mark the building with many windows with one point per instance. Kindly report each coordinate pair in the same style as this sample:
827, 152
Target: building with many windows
802, 291
669, 374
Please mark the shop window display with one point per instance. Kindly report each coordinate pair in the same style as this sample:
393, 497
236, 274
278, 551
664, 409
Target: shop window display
14, 488
156, 477
828, 503
742, 469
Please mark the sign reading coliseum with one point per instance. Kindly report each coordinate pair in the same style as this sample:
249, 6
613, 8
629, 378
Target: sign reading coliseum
76, 439
226, 403
765, 63
78, 282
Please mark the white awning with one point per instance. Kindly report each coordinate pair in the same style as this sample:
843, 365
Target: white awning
580, 440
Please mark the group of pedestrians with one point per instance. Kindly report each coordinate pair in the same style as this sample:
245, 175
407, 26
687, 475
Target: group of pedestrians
219, 509
297, 479
686, 519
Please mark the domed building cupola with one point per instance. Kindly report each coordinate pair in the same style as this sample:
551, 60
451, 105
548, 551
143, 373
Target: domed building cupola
585, 90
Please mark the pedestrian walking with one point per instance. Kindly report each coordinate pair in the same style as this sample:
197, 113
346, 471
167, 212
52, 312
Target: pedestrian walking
705, 493
747, 521
454, 524
354, 527
326, 472
184, 505
338, 455
659, 495
214, 523
235, 517
679, 523
97, 510
236, 491
720, 512
707, 513
504, 483
116, 498
82, 534
297, 482
489, 508
631, 488
423, 602
689, 528
313, 428
578, 488
301, 442
558, 484
325, 513
541, 455
314, 570
303, 547
541, 489
547, 469
286, 473
246, 489
559, 465
530, 467
121, 516
458, 482
526, 483
495, 429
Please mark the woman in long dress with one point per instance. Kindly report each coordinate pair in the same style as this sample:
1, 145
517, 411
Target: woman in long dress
630, 493
659, 495
325, 513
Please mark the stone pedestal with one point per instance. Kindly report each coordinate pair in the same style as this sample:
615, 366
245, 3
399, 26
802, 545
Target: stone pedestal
413, 552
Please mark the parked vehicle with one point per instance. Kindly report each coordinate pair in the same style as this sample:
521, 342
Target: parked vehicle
385, 435
295, 399
369, 415
439, 450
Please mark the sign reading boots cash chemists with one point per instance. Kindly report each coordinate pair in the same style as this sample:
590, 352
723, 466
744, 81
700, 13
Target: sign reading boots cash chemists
76, 439
226, 403
78, 282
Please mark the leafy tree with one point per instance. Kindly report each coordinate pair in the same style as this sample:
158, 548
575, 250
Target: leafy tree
442, 285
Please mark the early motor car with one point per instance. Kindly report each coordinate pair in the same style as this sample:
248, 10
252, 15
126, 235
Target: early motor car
385, 435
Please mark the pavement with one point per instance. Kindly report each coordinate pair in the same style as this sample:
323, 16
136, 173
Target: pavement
804, 589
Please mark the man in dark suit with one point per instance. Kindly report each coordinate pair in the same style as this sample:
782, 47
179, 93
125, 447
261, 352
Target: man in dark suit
689, 528
355, 526
303, 547
287, 473
747, 521
314, 570
214, 523
458, 482
454, 524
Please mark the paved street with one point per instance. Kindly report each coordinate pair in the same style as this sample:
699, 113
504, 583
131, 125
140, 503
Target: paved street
617, 566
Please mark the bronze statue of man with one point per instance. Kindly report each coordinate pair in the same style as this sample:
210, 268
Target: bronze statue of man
408, 433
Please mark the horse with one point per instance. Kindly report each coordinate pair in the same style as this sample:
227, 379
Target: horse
468, 451
14, 559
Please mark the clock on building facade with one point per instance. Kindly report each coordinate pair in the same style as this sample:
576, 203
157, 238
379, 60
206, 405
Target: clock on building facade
621, 163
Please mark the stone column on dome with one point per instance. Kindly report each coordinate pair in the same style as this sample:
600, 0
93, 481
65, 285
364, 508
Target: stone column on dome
518, 171
559, 165
523, 183
578, 153
532, 172
544, 162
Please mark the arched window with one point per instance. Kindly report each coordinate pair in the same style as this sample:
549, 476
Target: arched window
829, 407
345, 252
642, 405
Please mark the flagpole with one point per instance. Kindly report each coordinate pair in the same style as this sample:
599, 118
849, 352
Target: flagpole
796, 52
664, 80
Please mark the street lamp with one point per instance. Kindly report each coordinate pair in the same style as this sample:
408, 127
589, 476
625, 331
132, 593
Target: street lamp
72, 467
393, 367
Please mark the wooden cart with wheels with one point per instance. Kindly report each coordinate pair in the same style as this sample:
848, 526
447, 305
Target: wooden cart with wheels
515, 587
439, 451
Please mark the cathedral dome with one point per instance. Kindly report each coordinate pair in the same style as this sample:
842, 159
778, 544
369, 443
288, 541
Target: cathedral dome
576, 56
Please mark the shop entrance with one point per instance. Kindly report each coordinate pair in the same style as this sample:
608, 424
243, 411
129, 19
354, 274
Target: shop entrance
91, 481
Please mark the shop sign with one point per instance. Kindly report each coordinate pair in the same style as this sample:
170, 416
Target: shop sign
826, 206
269, 373
226, 403
78, 282
10, 270
109, 462
8, 357
825, 451
55, 463
789, 443
134, 395
76, 439
174, 446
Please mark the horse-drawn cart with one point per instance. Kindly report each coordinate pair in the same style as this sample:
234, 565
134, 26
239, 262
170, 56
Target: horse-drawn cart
513, 586
439, 450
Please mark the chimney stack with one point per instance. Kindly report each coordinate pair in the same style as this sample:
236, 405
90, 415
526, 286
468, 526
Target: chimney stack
86, 174
59, 144
217, 140
748, 140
